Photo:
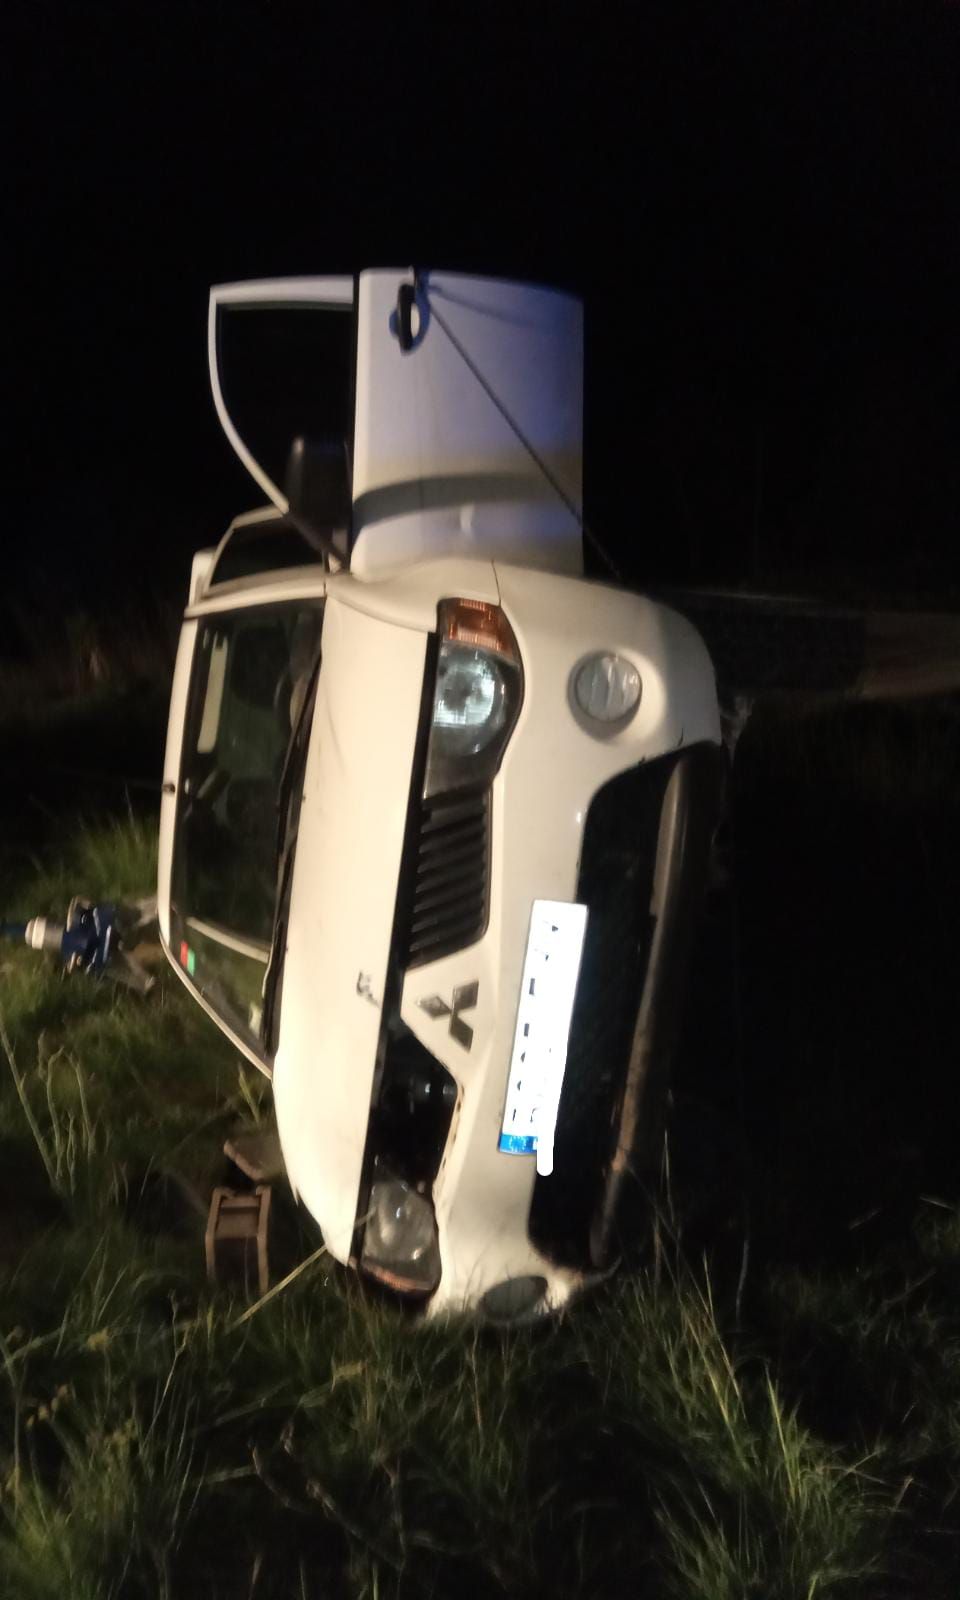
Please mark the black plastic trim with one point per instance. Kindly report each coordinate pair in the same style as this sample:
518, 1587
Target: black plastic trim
401, 913
643, 865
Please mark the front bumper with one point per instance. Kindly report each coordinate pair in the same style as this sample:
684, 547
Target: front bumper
490, 1217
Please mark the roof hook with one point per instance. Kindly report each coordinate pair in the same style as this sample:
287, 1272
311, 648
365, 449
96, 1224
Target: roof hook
409, 321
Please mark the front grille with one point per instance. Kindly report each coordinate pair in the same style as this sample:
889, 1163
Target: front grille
451, 878
615, 883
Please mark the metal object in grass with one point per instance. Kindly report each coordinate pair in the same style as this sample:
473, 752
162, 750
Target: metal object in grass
257, 1153
93, 939
237, 1237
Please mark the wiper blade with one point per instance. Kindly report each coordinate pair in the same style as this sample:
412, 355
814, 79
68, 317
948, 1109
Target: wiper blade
288, 821
278, 941
291, 759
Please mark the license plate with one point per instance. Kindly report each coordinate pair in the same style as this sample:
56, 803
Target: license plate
550, 969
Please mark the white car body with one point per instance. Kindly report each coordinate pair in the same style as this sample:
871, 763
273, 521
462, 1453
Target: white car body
448, 502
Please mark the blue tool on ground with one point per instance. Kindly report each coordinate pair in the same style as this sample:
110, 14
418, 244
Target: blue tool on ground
91, 939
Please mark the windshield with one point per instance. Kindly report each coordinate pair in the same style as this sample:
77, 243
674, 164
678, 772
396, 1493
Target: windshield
252, 670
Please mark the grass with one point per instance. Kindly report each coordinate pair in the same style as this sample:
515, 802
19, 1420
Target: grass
715, 1423
70, 657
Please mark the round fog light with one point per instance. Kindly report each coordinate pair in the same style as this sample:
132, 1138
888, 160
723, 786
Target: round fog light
513, 1299
606, 688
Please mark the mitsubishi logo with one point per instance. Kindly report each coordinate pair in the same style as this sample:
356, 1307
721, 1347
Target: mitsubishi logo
464, 999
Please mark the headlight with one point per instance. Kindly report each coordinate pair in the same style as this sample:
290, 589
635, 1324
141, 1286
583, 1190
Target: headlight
400, 1238
471, 700
606, 688
476, 698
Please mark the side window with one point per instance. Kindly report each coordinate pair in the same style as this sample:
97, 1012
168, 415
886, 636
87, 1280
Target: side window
262, 547
283, 371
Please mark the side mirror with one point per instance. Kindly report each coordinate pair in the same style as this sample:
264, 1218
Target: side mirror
318, 494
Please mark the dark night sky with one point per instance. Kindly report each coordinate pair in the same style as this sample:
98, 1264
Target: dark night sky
759, 203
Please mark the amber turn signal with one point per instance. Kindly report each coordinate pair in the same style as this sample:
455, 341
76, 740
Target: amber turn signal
479, 624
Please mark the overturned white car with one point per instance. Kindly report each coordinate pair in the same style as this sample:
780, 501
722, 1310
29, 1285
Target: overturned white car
436, 808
